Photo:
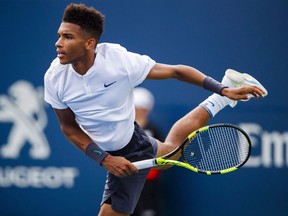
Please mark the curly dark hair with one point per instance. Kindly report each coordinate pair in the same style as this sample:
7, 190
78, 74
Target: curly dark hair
88, 18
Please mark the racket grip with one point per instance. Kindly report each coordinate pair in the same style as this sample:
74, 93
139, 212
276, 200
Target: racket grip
144, 164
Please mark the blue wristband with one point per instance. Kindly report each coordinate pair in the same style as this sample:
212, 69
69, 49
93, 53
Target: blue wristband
212, 85
95, 152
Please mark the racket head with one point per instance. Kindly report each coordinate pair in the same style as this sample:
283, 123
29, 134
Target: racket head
217, 149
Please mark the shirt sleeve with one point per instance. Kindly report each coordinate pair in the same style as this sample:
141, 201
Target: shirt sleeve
138, 67
51, 95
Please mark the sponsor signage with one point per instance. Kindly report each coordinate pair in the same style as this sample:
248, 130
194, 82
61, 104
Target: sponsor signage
22, 111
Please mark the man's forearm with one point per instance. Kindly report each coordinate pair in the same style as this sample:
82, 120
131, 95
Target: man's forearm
77, 136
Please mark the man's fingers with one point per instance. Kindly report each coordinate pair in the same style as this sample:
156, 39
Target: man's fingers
255, 91
131, 169
125, 170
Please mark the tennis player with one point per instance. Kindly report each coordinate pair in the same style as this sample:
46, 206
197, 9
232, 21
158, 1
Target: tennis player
90, 86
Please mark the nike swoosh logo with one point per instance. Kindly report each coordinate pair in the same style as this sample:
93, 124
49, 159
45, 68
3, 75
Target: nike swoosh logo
109, 84
212, 104
97, 152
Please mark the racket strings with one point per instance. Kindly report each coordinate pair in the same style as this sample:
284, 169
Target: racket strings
217, 149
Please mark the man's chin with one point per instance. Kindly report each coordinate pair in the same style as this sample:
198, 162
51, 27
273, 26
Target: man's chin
62, 61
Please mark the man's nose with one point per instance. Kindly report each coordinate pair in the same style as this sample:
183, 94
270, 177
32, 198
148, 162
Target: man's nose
58, 42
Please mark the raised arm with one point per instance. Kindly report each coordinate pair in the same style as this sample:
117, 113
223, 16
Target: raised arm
193, 76
181, 72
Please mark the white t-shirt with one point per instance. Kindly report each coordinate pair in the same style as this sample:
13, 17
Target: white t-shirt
102, 99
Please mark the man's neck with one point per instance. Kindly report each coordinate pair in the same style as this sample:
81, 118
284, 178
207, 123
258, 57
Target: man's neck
83, 66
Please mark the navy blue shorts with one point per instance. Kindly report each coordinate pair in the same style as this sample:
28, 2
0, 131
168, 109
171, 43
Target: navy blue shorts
123, 192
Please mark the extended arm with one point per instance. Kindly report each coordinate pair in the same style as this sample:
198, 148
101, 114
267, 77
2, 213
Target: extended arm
180, 72
193, 76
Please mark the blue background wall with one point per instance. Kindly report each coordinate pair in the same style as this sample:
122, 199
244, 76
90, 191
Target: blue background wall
248, 35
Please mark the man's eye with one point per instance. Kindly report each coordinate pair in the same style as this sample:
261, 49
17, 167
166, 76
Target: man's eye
67, 37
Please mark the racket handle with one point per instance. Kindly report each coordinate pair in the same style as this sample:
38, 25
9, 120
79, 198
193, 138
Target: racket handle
144, 164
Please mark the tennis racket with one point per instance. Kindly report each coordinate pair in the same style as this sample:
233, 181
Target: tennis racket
214, 149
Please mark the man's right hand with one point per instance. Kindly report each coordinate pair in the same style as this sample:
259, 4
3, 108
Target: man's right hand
118, 166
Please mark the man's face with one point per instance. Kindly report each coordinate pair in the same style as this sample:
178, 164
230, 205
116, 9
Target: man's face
71, 45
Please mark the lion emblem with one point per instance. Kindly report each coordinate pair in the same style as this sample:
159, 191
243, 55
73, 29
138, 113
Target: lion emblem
23, 106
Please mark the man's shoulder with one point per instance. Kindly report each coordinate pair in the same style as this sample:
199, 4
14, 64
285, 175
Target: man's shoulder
109, 48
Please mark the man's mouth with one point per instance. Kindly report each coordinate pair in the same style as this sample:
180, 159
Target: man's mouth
60, 54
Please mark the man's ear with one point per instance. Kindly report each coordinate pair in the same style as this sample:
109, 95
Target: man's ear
91, 43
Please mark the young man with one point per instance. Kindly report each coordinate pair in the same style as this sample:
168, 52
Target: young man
90, 86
